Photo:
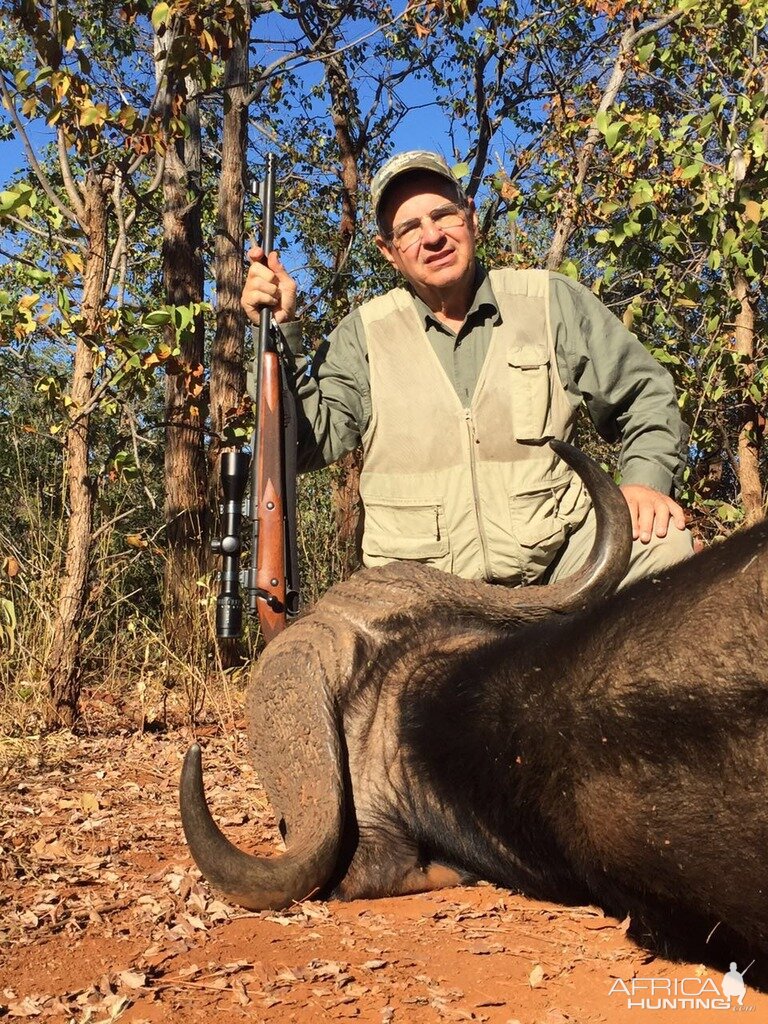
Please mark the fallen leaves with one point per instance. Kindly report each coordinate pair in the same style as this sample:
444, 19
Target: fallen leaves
103, 917
102, 1003
536, 977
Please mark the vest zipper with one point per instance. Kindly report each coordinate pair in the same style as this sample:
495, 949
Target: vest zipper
487, 574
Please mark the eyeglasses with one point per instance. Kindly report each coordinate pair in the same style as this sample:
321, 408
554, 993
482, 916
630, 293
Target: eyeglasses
410, 232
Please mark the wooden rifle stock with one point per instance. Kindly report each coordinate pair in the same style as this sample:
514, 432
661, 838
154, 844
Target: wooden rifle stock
270, 510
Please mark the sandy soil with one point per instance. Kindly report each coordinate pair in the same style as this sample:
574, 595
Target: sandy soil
103, 917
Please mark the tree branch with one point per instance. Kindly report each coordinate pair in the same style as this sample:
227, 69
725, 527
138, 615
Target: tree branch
66, 176
120, 253
32, 157
566, 224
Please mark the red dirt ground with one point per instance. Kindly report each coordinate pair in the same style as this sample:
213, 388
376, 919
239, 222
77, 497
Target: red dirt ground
103, 917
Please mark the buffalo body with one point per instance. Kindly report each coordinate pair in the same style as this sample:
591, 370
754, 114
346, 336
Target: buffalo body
414, 730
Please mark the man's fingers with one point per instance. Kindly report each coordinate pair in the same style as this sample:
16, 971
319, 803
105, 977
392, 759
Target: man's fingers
646, 513
661, 514
286, 285
262, 279
678, 515
633, 509
651, 512
271, 264
275, 265
268, 284
261, 289
666, 510
284, 279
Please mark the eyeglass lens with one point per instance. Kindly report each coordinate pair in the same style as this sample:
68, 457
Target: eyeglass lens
445, 217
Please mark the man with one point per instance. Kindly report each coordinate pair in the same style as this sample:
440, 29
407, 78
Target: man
453, 384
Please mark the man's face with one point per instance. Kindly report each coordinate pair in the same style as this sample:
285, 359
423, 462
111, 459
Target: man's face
445, 257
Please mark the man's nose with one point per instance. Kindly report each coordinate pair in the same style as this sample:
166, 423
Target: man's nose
430, 232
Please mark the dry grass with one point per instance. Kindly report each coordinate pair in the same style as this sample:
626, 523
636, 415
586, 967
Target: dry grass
127, 662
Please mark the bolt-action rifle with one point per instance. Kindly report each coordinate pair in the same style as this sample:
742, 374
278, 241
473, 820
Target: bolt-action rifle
271, 580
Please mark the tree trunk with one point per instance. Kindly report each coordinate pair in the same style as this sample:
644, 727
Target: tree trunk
343, 115
346, 490
227, 362
228, 357
63, 668
348, 510
750, 425
185, 463
751, 419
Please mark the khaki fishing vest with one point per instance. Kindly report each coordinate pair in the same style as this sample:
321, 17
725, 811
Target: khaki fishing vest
470, 490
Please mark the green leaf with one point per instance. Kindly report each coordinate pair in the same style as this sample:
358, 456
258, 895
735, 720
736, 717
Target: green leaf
602, 120
159, 318
758, 138
7, 200
757, 260
570, 269
691, 171
728, 513
613, 132
92, 115
7, 622
460, 170
20, 199
183, 316
160, 16
38, 275
730, 240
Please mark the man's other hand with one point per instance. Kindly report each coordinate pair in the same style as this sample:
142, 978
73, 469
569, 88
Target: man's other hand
268, 284
651, 512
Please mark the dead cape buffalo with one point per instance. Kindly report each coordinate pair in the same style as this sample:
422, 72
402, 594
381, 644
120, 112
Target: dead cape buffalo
415, 729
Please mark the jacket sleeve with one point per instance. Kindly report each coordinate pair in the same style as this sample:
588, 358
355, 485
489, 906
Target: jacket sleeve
629, 396
333, 392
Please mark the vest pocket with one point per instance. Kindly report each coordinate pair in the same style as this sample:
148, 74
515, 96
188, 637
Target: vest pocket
535, 519
529, 381
405, 528
538, 528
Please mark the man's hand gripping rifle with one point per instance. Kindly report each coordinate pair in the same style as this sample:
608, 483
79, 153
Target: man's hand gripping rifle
271, 580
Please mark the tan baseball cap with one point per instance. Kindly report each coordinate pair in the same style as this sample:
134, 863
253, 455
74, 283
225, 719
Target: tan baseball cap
413, 160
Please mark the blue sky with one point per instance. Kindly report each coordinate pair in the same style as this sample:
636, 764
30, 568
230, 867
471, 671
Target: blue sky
417, 130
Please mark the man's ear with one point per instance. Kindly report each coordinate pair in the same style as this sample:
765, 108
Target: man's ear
474, 221
385, 249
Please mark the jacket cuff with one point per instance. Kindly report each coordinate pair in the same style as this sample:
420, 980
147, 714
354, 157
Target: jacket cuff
649, 474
